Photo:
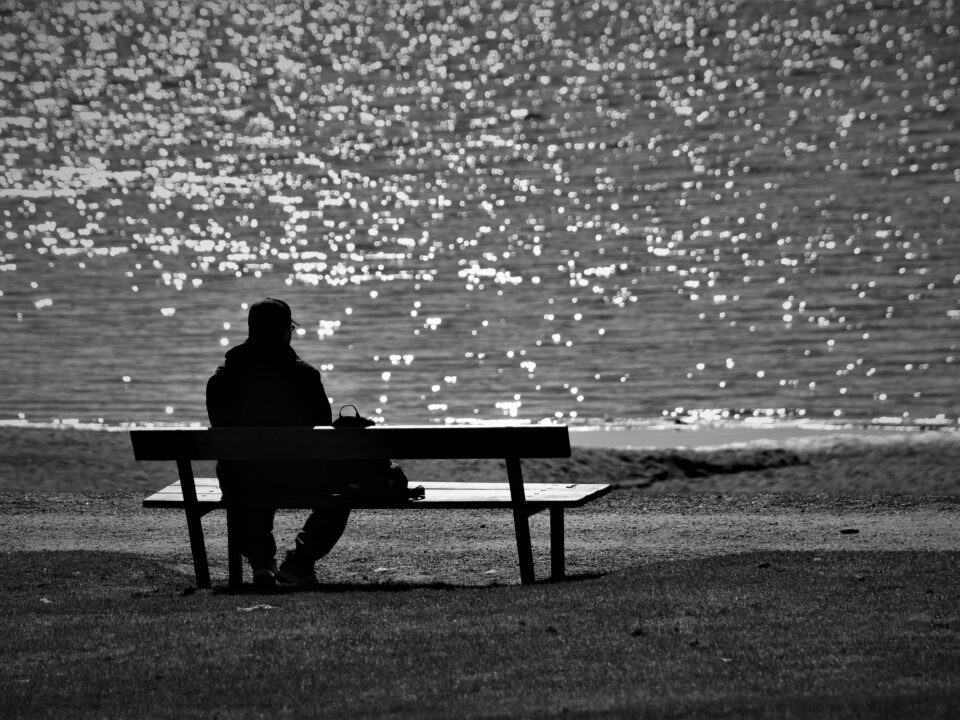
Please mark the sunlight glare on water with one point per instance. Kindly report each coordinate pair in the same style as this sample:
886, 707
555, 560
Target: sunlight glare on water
574, 211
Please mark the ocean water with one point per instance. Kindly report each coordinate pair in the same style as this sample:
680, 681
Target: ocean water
602, 211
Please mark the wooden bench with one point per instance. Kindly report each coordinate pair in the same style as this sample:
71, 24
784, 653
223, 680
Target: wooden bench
198, 496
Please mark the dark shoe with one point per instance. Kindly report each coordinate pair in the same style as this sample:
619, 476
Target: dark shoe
265, 579
297, 573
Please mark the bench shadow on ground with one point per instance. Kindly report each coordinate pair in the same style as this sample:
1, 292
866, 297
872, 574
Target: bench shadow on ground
106, 573
390, 586
60, 578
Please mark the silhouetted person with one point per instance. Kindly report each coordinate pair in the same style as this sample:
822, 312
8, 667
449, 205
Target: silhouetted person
263, 382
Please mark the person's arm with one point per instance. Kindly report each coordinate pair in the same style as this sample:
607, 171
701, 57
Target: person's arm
219, 399
324, 413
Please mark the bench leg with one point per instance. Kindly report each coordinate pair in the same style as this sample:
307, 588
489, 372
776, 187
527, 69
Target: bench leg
234, 558
520, 521
557, 569
198, 548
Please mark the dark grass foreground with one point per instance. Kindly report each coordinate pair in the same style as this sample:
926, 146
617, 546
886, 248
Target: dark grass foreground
809, 635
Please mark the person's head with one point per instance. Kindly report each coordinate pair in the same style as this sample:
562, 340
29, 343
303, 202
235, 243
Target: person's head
270, 321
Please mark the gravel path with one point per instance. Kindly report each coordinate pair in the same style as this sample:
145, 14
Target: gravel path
625, 529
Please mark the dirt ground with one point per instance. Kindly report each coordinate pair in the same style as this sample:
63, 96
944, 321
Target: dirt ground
626, 529
71, 490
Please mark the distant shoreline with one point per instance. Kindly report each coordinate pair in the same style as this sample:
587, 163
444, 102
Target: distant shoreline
703, 437
653, 435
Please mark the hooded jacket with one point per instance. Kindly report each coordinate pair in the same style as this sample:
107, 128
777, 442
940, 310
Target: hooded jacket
264, 384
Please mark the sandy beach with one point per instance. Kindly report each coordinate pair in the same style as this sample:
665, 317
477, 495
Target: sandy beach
81, 490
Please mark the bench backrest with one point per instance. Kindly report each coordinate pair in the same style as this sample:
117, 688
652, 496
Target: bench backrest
326, 443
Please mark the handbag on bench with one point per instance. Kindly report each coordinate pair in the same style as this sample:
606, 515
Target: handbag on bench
373, 478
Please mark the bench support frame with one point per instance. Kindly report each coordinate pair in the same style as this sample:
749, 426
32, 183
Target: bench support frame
522, 511
191, 508
521, 522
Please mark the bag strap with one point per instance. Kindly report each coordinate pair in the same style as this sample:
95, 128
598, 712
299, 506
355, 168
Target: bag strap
356, 413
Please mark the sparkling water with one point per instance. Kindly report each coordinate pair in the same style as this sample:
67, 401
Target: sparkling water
594, 211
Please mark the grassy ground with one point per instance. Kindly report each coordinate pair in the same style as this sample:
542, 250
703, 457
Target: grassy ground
776, 634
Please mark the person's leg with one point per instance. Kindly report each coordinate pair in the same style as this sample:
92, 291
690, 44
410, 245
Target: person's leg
257, 543
318, 536
321, 532
253, 524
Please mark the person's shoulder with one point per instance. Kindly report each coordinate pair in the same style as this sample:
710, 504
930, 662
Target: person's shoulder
219, 374
220, 381
302, 366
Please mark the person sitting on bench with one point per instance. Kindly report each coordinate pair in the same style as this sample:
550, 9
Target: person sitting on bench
263, 382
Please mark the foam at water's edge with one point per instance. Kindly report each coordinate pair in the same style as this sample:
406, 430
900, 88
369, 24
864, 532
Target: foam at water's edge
652, 434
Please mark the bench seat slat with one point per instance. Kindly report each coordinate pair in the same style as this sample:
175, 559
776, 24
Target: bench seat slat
436, 495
